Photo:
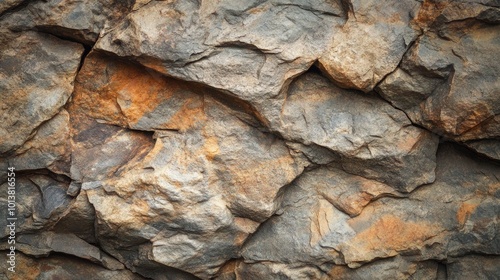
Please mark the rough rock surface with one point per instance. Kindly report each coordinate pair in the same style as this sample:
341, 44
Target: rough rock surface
37, 72
81, 21
371, 43
380, 143
455, 215
448, 81
63, 267
211, 176
278, 139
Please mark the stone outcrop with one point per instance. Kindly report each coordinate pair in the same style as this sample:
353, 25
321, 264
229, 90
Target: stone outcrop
278, 139
372, 138
37, 74
448, 82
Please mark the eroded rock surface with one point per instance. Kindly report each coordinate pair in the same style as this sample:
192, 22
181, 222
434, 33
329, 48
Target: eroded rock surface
63, 267
209, 175
43, 203
273, 40
454, 216
279, 139
37, 72
448, 81
81, 21
371, 43
372, 138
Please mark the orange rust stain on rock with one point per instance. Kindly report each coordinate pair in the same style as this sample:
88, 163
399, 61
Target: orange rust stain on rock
473, 118
211, 147
191, 113
136, 94
25, 269
429, 11
392, 233
465, 210
139, 92
128, 92
92, 95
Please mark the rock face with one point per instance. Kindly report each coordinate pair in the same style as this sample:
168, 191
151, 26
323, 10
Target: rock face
371, 43
208, 171
63, 267
37, 73
379, 143
448, 81
279, 139
448, 221
81, 21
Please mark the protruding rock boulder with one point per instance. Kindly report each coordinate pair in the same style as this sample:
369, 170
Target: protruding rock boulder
454, 216
36, 79
448, 81
371, 43
210, 174
372, 138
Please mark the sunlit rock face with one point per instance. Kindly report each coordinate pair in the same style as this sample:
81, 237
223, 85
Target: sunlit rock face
279, 139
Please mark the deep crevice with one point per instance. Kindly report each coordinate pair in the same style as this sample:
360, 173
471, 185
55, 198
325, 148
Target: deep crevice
315, 11
62, 37
478, 153
87, 48
348, 8
16, 8
86, 51
471, 153
61, 178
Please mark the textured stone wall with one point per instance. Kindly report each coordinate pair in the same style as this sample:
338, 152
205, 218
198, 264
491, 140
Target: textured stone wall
234, 139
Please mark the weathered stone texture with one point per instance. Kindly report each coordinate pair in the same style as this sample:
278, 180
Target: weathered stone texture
263, 139
448, 81
373, 139
82, 21
62, 267
36, 79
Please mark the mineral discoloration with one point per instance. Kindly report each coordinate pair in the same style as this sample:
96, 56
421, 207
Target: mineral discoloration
267, 139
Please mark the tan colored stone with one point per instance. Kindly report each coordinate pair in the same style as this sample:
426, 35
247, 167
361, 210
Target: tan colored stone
387, 237
132, 96
370, 44
210, 174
